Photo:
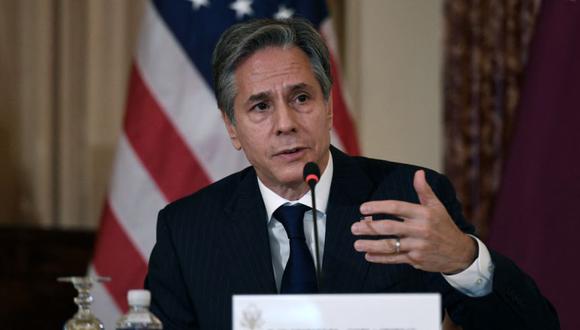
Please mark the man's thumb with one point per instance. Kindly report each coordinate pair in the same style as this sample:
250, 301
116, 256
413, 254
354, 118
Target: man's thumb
424, 191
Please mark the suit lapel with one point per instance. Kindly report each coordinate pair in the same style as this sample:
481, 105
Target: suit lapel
344, 269
246, 234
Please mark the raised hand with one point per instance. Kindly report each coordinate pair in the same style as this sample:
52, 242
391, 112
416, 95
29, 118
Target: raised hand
428, 239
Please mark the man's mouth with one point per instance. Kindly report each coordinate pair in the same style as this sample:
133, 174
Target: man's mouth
290, 151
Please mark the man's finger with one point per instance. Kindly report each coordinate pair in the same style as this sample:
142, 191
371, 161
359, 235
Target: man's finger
388, 245
381, 228
424, 191
400, 258
397, 208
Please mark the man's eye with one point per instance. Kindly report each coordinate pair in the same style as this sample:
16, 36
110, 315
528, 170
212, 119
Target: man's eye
302, 98
260, 106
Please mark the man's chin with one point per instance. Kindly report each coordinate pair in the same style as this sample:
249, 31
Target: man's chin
290, 181
293, 181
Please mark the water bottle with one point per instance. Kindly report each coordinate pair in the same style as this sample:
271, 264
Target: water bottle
139, 317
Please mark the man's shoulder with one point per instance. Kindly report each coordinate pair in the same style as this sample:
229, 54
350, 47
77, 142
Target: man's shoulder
389, 175
385, 166
381, 169
214, 195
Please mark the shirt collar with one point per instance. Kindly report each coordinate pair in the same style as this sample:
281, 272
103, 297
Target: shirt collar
273, 201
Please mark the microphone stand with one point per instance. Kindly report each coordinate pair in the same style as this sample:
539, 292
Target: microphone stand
315, 225
311, 175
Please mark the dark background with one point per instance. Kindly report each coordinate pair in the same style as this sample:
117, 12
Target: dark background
30, 262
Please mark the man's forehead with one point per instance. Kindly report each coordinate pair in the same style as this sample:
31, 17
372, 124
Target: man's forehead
287, 89
269, 51
271, 59
275, 69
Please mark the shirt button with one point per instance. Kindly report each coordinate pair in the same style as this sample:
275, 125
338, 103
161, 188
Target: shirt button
479, 281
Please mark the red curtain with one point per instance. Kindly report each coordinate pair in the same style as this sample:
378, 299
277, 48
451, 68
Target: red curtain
486, 47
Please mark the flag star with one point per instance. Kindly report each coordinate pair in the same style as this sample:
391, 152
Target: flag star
283, 12
242, 7
199, 3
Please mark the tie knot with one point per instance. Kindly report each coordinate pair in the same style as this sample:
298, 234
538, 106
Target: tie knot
291, 217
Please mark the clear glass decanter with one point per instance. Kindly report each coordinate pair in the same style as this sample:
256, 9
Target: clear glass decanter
84, 319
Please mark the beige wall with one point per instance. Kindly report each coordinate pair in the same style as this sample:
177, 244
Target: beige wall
393, 62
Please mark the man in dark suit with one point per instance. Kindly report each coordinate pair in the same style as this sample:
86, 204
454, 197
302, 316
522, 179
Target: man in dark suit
272, 82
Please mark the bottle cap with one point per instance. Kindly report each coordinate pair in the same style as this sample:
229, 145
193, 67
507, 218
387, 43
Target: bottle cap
139, 297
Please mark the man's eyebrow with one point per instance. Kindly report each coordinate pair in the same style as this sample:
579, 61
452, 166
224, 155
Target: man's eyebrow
300, 86
266, 95
258, 97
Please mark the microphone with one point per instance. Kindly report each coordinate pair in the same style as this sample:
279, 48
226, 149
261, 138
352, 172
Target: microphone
311, 176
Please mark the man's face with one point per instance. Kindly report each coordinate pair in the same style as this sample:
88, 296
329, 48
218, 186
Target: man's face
282, 119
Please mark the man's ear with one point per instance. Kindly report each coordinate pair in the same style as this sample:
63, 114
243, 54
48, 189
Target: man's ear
329, 111
232, 131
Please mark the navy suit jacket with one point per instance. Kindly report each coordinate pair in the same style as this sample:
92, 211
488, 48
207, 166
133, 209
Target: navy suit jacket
214, 244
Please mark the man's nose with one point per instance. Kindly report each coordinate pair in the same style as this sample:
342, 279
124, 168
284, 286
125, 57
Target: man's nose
285, 119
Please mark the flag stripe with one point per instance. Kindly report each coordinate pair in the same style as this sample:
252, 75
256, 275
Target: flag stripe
150, 133
335, 140
135, 199
118, 258
342, 122
104, 303
185, 98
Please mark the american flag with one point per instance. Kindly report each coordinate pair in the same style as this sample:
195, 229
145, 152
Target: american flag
173, 141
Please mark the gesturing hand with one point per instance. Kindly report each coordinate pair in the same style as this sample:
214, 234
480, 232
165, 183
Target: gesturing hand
429, 239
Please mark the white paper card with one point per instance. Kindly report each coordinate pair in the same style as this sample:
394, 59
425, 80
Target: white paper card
337, 312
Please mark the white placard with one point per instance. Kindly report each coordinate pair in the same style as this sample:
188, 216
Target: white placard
337, 312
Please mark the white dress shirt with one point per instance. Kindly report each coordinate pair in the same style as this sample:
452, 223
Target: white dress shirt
475, 281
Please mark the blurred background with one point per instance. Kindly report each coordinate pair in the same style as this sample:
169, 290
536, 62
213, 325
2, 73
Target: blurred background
437, 83
65, 69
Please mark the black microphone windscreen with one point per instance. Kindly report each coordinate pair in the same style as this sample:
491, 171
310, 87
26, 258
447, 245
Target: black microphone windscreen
311, 172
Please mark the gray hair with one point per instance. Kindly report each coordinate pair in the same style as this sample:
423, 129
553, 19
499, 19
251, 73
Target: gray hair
242, 40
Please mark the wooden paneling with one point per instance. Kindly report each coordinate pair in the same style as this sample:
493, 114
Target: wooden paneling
30, 262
